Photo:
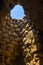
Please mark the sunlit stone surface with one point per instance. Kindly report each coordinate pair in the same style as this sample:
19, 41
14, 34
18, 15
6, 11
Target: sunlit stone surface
19, 44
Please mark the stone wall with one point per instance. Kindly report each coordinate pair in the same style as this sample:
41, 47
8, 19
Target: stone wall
19, 42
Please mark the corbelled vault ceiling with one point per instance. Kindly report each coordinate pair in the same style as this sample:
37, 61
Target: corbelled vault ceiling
33, 8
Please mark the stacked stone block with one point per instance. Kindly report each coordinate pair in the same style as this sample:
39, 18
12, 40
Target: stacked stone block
19, 42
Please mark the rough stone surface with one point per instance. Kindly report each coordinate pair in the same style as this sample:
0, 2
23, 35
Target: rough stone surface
19, 43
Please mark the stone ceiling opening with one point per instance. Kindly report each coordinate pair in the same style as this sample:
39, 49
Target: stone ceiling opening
17, 12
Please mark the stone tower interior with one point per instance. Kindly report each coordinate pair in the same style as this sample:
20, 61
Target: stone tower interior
21, 41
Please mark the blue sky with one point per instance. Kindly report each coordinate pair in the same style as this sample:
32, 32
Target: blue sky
17, 12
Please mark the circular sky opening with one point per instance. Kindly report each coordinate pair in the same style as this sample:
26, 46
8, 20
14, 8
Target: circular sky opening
17, 12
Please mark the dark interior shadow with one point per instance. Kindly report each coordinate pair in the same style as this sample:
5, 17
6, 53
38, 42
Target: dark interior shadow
41, 49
